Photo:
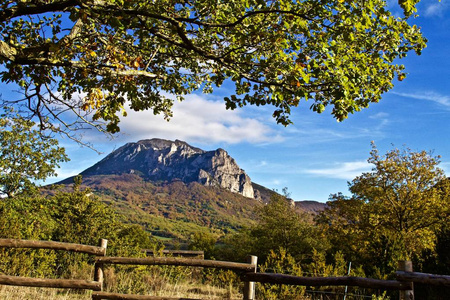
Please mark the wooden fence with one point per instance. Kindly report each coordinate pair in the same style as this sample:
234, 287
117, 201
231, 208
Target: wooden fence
94, 285
404, 281
176, 253
173, 261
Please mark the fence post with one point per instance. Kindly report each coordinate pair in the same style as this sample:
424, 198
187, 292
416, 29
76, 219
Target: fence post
406, 266
249, 287
98, 267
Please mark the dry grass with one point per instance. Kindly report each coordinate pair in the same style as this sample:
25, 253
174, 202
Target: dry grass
186, 290
169, 281
30, 293
176, 282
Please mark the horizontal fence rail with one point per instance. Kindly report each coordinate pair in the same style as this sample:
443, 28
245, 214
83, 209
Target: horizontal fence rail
275, 278
439, 280
173, 261
95, 285
183, 253
13, 243
51, 283
114, 296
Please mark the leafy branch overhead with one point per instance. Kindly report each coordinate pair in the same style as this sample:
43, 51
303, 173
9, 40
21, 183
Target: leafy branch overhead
94, 58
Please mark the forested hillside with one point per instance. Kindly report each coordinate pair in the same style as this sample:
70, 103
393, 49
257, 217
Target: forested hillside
174, 209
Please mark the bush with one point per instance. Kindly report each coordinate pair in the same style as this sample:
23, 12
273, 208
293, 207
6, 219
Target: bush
283, 263
74, 217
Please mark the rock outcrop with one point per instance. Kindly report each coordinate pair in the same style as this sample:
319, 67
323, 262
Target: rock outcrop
163, 160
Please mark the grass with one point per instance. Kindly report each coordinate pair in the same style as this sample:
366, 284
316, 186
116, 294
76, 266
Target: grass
185, 290
25, 293
163, 281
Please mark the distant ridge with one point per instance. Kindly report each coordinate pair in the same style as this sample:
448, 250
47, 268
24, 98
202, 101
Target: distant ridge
310, 206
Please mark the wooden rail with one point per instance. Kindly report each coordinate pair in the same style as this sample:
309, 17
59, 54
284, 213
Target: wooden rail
12, 243
275, 278
95, 285
174, 261
115, 296
182, 253
50, 283
404, 277
438, 280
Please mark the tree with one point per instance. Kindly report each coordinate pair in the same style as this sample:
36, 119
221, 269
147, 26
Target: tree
75, 217
345, 223
407, 195
346, 228
398, 207
203, 241
95, 58
280, 225
281, 262
25, 155
84, 218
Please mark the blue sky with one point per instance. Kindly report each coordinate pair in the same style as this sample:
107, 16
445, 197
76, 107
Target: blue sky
316, 156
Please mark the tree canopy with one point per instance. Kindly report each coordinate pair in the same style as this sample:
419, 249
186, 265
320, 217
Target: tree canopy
25, 155
408, 196
399, 207
279, 225
96, 58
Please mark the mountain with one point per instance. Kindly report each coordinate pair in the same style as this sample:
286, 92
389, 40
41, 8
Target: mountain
311, 206
163, 160
173, 189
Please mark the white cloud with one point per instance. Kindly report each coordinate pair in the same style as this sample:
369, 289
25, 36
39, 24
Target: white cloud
276, 182
380, 116
345, 170
435, 9
429, 96
262, 163
199, 120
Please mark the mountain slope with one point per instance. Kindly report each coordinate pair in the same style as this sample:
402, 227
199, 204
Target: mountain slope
173, 209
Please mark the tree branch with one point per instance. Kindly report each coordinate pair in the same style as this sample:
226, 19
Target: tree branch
27, 8
7, 52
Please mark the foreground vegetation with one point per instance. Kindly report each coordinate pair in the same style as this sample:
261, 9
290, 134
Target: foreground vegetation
155, 281
284, 240
398, 211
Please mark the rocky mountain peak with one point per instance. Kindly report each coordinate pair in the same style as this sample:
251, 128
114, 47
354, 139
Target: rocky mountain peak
164, 160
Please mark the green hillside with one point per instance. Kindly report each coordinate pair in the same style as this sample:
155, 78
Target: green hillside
173, 209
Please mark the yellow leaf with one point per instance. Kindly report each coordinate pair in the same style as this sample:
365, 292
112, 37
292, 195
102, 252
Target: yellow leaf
85, 106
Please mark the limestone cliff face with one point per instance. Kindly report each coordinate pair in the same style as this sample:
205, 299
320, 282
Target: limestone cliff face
161, 160
218, 168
